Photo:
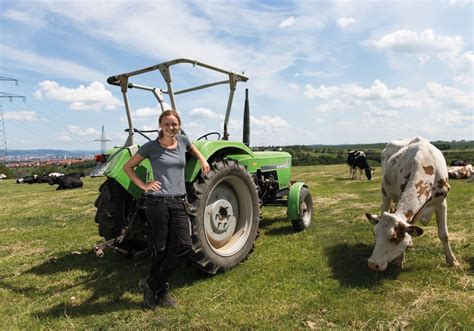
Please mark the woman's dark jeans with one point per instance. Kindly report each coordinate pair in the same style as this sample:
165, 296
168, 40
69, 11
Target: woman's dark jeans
169, 234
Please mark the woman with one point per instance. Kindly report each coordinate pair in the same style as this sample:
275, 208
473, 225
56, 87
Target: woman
166, 219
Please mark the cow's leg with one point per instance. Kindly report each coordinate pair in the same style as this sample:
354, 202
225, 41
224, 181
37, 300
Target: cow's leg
353, 172
441, 221
360, 173
386, 202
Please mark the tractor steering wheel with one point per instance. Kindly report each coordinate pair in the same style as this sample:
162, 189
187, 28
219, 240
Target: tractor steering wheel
210, 134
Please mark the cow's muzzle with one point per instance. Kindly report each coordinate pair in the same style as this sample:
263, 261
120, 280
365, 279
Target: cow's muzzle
373, 266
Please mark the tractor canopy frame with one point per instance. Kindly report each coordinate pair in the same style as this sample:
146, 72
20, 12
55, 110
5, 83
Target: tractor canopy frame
123, 80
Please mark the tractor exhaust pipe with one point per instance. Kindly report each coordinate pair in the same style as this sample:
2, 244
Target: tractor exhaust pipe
246, 132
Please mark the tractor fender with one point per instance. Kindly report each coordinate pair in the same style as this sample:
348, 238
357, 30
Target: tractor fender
209, 148
294, 200
114, 169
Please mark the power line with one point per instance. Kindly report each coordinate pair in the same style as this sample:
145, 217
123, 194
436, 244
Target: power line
3, 135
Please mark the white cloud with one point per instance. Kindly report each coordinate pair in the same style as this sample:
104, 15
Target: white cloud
452, 97
49, 66
205, 113
463, 68
89, 132
427, 45
460, 3
64, 138
379, 102
287, 23
195, 39
426, 42
380, 113
24, 17
268, 122
345, 23
146, 112
334, 105
78, 134
377, 91
28, 116
92, 97
294, 87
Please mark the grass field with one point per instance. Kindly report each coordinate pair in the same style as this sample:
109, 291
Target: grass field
318, 278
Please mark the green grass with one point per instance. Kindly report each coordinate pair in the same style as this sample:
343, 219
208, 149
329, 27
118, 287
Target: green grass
318, 278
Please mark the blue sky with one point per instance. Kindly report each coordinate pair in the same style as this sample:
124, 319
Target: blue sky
321, 72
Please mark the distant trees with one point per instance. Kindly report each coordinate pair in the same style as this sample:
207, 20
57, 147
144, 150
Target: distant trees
6, 171
442, 146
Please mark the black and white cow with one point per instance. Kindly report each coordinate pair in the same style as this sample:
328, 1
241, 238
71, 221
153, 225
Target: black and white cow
67, 181
27, 179
34, 179
358, 160
43, 179
414, 185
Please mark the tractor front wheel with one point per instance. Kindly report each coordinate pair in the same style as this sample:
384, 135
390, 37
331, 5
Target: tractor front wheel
305, 213
225, 214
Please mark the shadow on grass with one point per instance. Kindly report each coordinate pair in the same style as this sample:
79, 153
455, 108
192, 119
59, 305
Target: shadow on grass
470, 260
349, 266
268, 226
106, 279
345, 179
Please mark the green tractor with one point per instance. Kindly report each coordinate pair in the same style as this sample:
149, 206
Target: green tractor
224, 205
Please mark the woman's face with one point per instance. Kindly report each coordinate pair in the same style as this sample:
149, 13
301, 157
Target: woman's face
169, 125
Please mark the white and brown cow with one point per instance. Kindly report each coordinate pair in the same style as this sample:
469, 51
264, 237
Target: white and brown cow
414, 185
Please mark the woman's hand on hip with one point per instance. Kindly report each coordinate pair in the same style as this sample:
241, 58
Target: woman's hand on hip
152, 186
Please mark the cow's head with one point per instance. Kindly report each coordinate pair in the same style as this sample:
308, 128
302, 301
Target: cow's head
369, 172
392, 237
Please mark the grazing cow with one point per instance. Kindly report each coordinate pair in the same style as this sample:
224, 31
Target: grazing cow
27, 179
358, 160
43, 179
460, 172
415, 183
68, 181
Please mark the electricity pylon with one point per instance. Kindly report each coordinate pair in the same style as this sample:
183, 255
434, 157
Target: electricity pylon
102, 140
3, 135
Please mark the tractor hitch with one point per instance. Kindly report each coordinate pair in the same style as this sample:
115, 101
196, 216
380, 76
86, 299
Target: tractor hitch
99, 249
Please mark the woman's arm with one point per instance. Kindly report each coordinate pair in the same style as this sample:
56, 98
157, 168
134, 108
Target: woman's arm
202, 161
129, 170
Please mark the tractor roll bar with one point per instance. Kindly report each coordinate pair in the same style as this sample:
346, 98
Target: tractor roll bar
122, 80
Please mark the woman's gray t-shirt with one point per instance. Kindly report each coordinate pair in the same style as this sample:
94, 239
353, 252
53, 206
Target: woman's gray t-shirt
168, 165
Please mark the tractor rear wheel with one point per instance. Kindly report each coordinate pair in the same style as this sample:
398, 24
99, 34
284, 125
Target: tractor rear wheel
225, 214
305, 214
114, 205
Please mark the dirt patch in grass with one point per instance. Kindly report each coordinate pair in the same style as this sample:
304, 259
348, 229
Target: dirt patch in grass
334, 199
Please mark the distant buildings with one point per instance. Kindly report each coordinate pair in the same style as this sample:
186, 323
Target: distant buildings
35, 159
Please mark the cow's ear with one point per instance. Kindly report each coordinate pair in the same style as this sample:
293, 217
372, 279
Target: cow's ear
414, 231
372, 218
